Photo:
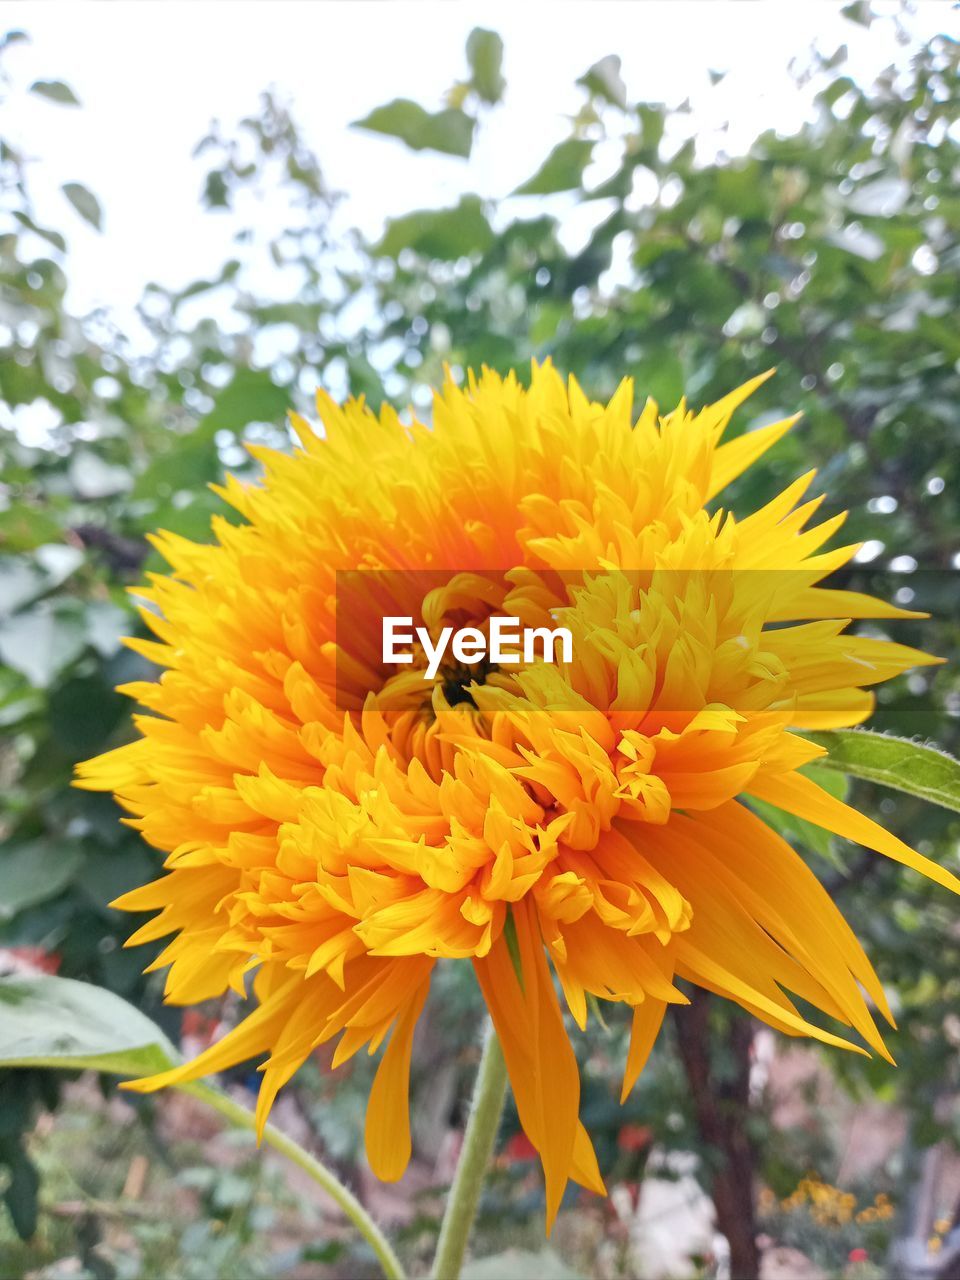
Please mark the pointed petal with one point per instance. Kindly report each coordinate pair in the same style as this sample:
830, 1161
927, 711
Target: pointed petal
388, 1109
797, 794
731, 460
254, 1035
647, 1021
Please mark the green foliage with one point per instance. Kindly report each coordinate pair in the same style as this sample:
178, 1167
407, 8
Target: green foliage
213, 1206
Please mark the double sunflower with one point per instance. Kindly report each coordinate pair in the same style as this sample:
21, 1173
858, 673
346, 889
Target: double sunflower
577, 831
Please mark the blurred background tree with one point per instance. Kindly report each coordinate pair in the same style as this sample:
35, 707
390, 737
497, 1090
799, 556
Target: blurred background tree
833, 253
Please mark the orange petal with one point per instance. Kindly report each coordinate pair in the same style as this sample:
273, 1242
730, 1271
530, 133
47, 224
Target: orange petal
647, 1021
388, 1110
797, 794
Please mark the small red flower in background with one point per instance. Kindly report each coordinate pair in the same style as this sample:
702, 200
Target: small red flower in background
634, 1137
28, 961
858, 1255
199, 1030
520, 1148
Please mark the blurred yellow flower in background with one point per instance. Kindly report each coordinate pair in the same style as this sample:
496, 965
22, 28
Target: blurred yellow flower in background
337, 827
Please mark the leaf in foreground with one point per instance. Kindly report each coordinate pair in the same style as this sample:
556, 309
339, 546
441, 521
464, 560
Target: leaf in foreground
911, 767
58, 1022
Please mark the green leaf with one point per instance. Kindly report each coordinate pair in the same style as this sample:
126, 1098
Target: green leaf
859, 12
56, 91
446, 234
652, 120
57, 1022
604, 80
51, 237
561, 171
485, 56
251, 396
229, 272
449, 131
85, 203
23, 1184
191, 463
23, 527
912, 767
21, 580
660, 374
33, 872
12, 37
42, 641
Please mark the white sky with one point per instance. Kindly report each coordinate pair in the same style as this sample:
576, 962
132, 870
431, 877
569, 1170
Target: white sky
152, 75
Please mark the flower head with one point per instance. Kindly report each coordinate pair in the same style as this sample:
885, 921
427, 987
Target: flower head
338, 826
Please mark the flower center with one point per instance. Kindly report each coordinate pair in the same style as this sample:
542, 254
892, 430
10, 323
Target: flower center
455, 679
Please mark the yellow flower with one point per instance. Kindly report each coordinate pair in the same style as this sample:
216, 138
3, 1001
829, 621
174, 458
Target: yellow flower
337, 825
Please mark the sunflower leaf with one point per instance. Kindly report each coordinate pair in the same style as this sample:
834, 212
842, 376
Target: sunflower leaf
899, 763
75, 1026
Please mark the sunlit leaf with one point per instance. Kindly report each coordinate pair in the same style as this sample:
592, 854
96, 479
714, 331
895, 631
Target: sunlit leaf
12, 37
604, 80
561, 171
485, 56
449, 131
52, 237
446, 234
912, 767
56, 91
85, 203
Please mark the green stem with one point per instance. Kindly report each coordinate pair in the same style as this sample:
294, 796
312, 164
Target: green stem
239, 1115
489, 1092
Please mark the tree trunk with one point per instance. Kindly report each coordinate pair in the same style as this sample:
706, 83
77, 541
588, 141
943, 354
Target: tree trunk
721, 1107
